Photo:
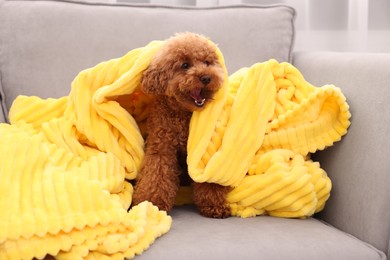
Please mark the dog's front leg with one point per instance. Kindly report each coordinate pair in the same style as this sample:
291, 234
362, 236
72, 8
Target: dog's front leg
158, 181
210, 199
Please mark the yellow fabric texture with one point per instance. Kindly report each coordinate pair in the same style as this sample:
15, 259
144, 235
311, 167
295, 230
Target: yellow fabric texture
261, 138
64, 163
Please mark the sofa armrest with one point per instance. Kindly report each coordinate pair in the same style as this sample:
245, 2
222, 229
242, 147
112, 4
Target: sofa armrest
358, 165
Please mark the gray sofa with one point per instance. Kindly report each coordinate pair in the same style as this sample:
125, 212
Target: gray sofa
44, 44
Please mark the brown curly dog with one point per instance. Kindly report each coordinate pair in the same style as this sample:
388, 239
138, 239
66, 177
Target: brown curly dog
183, 76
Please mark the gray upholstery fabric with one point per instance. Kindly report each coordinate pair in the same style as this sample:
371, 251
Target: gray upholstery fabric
2, 115
359, 165
195, 237
388, 249
2, 105
54, 40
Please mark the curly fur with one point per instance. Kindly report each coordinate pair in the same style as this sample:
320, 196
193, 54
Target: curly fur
183, 76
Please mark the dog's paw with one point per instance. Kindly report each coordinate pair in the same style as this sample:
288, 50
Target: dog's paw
156, 201
215, 211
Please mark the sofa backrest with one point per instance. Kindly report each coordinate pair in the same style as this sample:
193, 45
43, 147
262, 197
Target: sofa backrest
44, 44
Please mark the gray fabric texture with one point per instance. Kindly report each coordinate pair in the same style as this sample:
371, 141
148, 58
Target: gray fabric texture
43, 52
195, 237
3, 116
359, 165
388, 249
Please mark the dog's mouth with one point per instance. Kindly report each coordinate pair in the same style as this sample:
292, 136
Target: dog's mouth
196, 95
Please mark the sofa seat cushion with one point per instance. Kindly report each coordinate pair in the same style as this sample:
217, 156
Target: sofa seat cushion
195, 237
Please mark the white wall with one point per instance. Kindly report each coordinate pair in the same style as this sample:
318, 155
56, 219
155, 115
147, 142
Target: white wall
342, 25
335, 25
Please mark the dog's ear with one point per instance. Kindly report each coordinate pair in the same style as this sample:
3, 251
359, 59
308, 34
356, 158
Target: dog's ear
154, 80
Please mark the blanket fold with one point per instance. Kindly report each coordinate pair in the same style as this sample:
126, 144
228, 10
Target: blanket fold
63, 165
66, 163
270, 112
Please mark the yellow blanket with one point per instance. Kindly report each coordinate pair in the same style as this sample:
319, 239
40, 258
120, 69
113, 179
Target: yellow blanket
64, 162
261, 137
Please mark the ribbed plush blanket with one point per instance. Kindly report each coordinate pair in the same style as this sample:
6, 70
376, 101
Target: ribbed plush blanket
65, 163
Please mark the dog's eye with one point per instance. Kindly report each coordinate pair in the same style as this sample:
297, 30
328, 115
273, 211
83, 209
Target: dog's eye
185, 66
206, 62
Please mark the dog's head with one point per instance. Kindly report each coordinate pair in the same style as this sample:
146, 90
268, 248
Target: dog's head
186, 68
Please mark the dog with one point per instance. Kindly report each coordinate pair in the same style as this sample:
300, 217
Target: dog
183, 77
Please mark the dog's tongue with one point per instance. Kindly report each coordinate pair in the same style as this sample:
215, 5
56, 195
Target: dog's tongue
197, 96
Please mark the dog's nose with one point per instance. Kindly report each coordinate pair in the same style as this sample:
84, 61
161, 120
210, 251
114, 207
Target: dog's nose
205, 79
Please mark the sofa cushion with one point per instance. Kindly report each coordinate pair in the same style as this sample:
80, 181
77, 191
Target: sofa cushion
195, 237
44, 44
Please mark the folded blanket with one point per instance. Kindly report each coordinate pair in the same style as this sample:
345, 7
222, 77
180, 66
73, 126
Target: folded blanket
65, 163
